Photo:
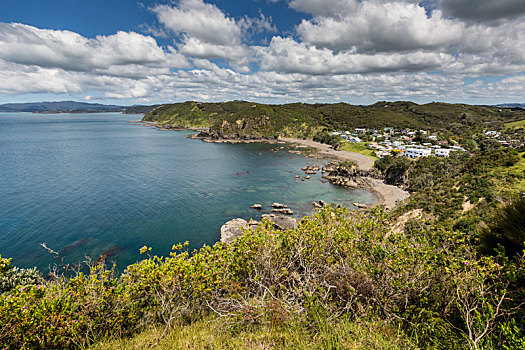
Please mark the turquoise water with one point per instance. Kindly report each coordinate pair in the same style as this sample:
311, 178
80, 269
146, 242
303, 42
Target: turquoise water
88, 184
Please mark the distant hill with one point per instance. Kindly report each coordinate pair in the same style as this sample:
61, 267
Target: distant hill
247, 119
59, 107
139, 109
511, 105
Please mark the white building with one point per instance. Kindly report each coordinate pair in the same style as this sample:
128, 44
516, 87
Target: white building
352, 139
442, 152
360, 130
417, 152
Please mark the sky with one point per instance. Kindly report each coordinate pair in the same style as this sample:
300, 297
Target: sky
271, 51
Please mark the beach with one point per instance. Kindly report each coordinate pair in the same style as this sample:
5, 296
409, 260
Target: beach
388, 195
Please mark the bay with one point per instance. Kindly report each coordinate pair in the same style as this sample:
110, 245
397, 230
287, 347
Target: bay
92, 184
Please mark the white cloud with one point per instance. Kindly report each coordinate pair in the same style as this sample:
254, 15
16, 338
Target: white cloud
201, 21
289, 56
348, 50
206, 32
381, 27
27, 45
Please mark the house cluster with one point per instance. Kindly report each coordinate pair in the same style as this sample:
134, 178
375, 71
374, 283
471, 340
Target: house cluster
503, 140
401, 142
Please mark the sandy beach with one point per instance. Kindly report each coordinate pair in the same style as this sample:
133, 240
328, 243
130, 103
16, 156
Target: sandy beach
389, 195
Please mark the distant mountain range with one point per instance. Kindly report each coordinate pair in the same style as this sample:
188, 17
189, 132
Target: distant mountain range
60, 107
511, 105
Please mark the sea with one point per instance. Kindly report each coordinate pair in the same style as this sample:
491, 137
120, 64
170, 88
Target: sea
87, 185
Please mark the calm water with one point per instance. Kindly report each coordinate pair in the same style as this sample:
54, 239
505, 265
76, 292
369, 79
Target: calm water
90, 184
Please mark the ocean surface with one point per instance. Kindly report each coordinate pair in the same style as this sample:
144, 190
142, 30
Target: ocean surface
92, 184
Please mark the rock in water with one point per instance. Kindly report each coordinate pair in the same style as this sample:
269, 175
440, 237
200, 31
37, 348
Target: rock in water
286, 211
232, 229
256, 206
281, 222
279, 206
360, 205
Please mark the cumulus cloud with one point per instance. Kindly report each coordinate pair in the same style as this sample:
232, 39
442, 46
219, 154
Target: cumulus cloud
483, 10
380, 27
343, 50
27, 45
289, 56
206, 32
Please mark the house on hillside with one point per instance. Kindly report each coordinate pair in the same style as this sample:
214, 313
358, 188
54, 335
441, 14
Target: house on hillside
416, 152
352, 139
441, 152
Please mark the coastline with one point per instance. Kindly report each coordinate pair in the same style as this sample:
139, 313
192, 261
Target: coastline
389, 195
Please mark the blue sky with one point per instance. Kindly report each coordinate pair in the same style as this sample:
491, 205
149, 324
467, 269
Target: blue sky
276, 51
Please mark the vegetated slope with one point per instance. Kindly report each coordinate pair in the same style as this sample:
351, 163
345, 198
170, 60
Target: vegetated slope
305, 120
139, 109
459, 192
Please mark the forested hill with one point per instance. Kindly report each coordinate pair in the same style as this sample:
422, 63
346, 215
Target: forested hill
305, 120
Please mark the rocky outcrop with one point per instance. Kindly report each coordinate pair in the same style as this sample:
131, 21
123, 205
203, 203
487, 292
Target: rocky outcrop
343, 174
311, 169
281, 222
320, 204
232, 229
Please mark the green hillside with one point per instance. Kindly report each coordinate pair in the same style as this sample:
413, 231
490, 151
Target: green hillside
241, 118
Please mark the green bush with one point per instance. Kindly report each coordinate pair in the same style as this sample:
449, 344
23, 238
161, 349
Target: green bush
333, 263
506, 229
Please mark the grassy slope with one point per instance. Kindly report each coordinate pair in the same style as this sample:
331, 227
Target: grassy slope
510, 179
305, 120
358, 148
517, 124
321, 334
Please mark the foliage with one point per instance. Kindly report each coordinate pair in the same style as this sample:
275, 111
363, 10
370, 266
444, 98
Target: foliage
12, 277
506, 229
333, 269
306, 120
324, 137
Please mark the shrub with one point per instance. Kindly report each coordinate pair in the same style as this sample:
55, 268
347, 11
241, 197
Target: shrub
506, 228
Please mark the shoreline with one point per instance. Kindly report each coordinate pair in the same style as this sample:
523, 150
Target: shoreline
389, 195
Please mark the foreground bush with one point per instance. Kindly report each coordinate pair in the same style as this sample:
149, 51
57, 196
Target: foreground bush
336, 264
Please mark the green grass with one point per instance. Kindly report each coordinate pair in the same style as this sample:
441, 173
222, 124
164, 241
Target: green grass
358, 148
316, 334
510, 179
515, 125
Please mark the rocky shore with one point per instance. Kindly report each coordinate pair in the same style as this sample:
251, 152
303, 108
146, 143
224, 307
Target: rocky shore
358, 175
211, 137
353, 170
